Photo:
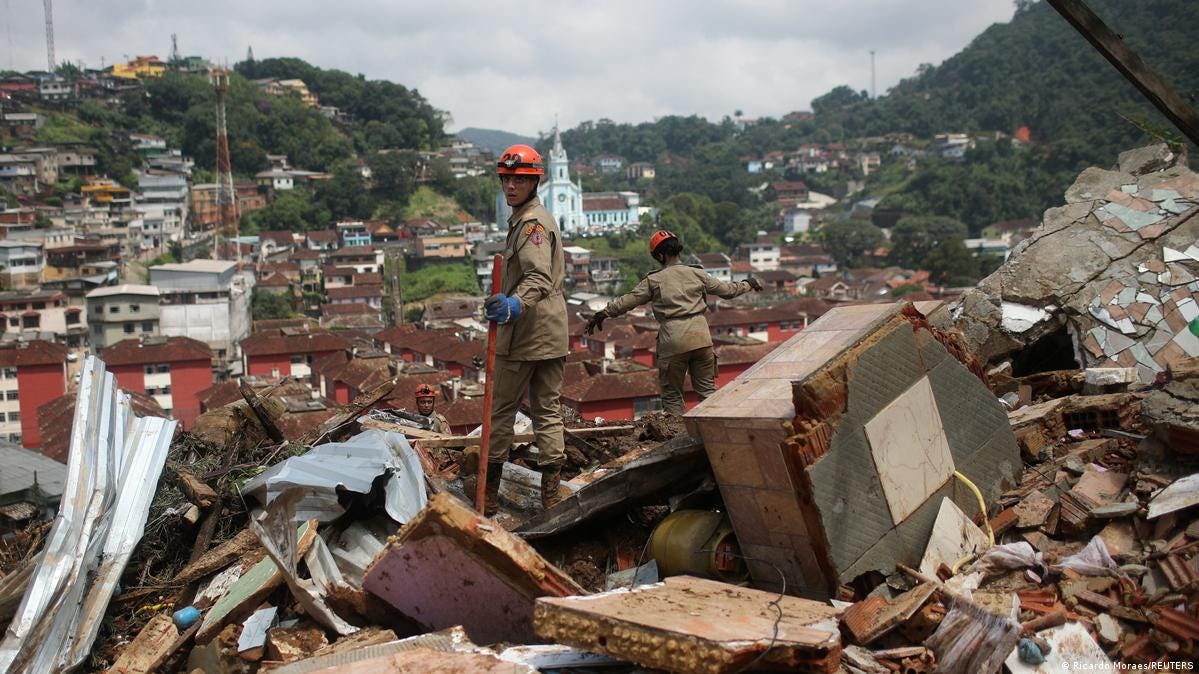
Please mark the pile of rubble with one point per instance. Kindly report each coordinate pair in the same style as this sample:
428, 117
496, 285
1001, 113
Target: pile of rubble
898, 487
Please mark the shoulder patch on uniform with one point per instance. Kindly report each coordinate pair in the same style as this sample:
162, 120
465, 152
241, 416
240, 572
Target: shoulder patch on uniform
536, 233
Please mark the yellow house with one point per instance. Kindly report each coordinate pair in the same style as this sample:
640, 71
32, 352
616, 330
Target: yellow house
142, 66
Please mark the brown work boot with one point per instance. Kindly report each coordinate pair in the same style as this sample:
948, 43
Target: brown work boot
551, 478
491, 496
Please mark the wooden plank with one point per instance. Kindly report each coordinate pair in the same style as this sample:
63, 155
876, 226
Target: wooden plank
459, 441
408, 431
1148, 82
140, 656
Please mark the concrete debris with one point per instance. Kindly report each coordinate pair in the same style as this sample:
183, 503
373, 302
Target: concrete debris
251, 643
1103, 271
690, 624
813, 446
147, 647
448, 546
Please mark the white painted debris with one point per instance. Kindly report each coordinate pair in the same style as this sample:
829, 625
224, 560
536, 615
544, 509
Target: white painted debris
1021, 317
253, 630
1108, 376
1071, 649
954, 536
1182, 493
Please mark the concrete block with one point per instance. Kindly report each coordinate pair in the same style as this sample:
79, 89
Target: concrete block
884, 409
688, 624
451, 566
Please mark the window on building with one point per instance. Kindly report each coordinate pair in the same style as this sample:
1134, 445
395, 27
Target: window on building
151, 390
14, 322
165, 390
10, 395
113, 308
72, 317
9, 373
14, 416
147, 326
97, 330
148, 369
130, 328
134, 308
39, 305
31, 321
643, 406
297, 360
163, 368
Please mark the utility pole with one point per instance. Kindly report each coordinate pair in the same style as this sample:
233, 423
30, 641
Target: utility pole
226, 198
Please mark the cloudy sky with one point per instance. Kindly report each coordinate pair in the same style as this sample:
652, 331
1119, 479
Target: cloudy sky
518, 65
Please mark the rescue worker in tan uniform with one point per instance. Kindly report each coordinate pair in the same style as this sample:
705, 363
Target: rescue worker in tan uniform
531, 341
677, 292
426, 399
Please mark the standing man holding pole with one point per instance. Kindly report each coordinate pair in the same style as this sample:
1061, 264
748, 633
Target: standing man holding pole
531, 344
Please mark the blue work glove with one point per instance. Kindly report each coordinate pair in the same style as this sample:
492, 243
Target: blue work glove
501, 309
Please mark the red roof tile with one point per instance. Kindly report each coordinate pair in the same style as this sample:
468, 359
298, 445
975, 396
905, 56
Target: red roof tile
37, 352
274, 342
156, 350
275, 280
641, 384
354, 292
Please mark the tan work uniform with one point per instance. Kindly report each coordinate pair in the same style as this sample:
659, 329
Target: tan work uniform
438, 423
684, 341
531, 350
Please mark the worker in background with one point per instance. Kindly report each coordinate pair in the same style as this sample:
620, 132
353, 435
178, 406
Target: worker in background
426, 399
531, 340
677, 293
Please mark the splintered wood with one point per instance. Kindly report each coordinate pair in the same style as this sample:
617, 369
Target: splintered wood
689, 625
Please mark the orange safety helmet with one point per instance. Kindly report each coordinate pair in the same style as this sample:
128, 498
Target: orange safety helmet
425, 391
660, 236
520, 160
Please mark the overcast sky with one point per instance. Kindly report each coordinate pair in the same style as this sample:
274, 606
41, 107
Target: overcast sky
517, 65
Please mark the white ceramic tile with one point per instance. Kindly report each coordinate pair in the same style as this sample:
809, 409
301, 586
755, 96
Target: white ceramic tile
911, 452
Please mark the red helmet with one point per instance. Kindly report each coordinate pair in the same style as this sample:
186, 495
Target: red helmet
520, 160
425, 391
660, 236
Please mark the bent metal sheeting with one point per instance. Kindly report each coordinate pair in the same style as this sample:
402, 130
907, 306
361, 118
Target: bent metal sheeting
114, 456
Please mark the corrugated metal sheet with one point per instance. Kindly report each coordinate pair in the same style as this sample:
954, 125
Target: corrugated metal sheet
352, 465
115, 461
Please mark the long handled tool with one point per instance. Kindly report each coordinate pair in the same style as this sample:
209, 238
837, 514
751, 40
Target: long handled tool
497, 266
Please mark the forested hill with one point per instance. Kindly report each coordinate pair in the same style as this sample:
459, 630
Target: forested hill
493, 139
1037, 71
1034, 74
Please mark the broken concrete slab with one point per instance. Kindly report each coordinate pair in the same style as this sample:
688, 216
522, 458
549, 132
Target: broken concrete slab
1098, 269
1172, 412
331, 658
688, 624
433, 662
451, 566
1182, 493
822, 483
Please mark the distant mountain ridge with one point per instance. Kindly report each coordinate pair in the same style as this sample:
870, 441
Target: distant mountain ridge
493, 139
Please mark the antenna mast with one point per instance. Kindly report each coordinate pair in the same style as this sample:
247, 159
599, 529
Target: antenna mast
226, 198
49, 33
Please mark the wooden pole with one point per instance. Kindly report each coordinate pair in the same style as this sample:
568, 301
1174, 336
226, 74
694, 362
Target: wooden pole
497, 266
1112, 46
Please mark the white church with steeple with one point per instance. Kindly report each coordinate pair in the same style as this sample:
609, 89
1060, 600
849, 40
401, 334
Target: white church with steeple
561, 197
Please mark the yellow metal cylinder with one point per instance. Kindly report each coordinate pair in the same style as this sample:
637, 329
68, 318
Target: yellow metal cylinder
698, 543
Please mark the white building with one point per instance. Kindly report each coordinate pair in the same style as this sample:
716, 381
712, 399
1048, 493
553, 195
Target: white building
163, 202
21, 264
205, 300
611, 211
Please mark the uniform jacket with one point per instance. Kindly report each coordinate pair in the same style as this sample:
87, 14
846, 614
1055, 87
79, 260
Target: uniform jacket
440, 424
677, 292
534, 273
